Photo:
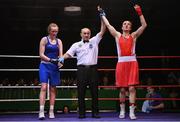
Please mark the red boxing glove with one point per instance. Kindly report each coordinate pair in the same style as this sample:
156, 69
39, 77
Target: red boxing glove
138, 10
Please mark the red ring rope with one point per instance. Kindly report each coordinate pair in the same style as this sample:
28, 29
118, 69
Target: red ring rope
142, 56
145, 86
140, 99
147, 69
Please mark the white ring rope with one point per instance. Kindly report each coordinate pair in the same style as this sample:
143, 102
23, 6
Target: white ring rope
28, 70
19, 87
18, 56
29, 87
32, 100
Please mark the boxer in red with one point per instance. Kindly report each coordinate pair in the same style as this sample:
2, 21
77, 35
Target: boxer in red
127, 71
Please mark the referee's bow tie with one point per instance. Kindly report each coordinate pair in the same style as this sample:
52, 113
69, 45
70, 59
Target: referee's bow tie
85, 41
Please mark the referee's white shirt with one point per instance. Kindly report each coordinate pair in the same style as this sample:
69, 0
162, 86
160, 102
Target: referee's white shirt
87, 53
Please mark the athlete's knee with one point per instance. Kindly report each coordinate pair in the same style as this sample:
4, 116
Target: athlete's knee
122, 93
43, 88
53, 89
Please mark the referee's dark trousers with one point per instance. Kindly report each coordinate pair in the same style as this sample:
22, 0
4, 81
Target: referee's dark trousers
87, 76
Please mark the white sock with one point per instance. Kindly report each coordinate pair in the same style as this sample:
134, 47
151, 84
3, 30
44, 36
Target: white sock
51, 108
122, 107
41, 108
122, 111
132, 111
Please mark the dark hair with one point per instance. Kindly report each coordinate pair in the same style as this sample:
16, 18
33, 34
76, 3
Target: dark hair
64, 108
156, 89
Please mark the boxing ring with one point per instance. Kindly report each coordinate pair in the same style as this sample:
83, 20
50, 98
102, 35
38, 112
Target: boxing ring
29, 94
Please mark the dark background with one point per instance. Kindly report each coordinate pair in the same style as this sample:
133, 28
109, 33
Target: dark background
24, 23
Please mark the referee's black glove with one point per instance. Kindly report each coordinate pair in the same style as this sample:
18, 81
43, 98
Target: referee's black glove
101, 12
54, 61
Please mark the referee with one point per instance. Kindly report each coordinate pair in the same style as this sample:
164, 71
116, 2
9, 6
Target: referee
86, 51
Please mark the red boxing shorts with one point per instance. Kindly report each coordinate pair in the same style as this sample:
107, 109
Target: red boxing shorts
127, 73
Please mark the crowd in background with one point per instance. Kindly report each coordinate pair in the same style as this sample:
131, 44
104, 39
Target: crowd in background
107, 79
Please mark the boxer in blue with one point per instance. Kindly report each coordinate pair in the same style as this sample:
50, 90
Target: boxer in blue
50, 51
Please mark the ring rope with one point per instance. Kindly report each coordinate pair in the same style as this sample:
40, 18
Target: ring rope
103, 99
139, 86
163, 99
144, 86
142, 56
159, 69
33, 70
31, 100
144, 69
26, 56
30, 87
147, 69
18, 56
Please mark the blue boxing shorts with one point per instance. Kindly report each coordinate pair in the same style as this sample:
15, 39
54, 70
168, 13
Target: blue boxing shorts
49, 72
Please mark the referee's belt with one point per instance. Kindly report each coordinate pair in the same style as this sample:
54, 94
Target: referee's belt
87, 66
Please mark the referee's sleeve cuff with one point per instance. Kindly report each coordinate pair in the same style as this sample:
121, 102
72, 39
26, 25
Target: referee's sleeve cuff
70, 54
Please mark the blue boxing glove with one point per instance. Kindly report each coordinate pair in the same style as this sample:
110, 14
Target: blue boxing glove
61, 60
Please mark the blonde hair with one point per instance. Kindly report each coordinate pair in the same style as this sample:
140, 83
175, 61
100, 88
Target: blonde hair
51, 25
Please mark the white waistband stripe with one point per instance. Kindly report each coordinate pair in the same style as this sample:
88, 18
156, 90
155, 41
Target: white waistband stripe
126, 58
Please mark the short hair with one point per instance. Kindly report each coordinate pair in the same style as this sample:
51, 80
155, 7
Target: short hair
85, 29
51, 25
128, 21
